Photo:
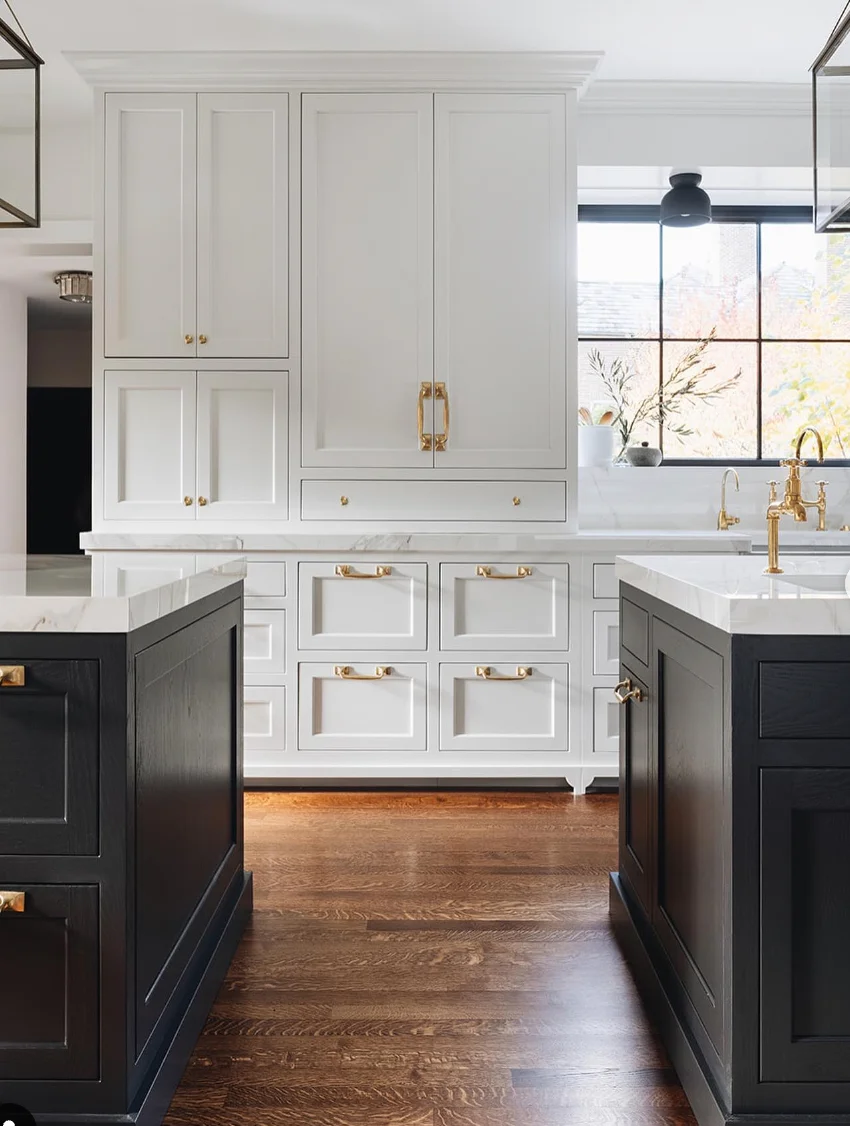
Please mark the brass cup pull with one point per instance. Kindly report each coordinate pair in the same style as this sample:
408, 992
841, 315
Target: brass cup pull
188, 338
522, 572
486, 673
426, 441
441, 440
625, 692
12, 676
344, 673
12, 901
344, 571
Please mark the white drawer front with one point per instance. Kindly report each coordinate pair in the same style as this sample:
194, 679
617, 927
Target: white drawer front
443, 501
119, 574
265, 641
341, 713
606, 642
265, 579
606, 723
504, 606
478, 714
605, 582
265, 719
340, 608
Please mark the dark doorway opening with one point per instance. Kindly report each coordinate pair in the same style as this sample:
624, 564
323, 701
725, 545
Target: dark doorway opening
58, 469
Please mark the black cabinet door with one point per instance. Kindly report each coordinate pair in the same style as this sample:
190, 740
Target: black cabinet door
50, 996
804, 1007
49, 744
636, 771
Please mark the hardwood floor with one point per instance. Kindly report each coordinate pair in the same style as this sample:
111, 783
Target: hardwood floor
429, 960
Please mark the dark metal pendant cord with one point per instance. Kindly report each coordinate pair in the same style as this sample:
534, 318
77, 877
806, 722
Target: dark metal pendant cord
26, 38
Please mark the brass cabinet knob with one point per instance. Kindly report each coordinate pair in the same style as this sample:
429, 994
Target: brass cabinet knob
12, 901
188, 339
188, 501
343, 501
202, 501
516, 501
202, 339
12, 676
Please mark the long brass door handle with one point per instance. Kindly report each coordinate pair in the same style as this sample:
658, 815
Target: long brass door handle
344, 673
441, 440
630, 692
347, 572
487, 573
12, 901
12, 676
486, 673
426, 441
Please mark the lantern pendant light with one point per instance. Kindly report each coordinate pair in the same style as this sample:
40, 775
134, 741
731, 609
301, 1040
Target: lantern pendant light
20, 127
830, 120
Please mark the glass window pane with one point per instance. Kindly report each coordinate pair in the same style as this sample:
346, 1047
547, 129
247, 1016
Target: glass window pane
805, 283
639, 360
710, 281
720, 426
806, 385
618, 285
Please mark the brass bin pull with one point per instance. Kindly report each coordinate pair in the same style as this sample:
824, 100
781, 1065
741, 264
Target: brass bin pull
486, 673
344, 571
487, 573
630, 693
12, 676
344, 673
425, 440
12, 901
441, 440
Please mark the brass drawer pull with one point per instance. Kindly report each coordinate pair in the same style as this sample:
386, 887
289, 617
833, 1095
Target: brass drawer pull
425, 440
487, 573
441, 440
630, 693
12, 901
344, 571
486, 673
12, 676
344, 673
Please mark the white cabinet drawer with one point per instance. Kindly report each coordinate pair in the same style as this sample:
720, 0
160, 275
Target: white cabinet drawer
119, 574
504, 606
265, 719
444, 501
606, 642
265, 642
339, 712
354, 605
606, 723
605, 581
520, 713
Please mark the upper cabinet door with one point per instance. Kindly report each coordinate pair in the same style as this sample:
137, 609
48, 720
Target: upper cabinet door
367, 278
149, 258
243, 225
243, 445
501, 202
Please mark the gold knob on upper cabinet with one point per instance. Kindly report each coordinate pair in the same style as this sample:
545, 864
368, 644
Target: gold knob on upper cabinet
188, 339
188, 501
517, 501
202, 339
202, 501
343, 501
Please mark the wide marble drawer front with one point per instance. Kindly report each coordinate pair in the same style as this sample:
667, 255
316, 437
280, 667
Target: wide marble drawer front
434, 500
355, 606
362, 706
503, 707
504, 606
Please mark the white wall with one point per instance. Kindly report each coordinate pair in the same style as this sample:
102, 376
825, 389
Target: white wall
13, 420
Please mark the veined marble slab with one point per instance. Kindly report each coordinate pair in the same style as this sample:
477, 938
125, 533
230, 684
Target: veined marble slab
811, 598
56, 594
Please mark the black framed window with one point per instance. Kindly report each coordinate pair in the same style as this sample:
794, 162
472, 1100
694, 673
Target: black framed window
773, 296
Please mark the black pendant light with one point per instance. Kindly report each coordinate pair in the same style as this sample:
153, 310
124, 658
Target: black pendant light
686, 204
20, 127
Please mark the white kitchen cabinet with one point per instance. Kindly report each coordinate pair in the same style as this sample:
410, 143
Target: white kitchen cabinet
504, 707
508, 502
606, 642
362, 706
495, 606
353, 606
264, 645
122, 574
264, 714
367, 277
606, 725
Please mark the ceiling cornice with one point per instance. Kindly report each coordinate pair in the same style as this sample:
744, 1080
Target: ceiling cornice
353, 70
763, 99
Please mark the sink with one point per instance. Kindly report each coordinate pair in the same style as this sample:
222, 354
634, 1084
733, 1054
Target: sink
837, 583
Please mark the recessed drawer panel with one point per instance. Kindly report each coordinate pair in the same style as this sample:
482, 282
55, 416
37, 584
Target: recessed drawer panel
442, 501
265, 579
606, 723
362, 707
784, 685
504, 606
119, 574
504, 707
265, 641
265, 719
354, 605
605, 582
606, 642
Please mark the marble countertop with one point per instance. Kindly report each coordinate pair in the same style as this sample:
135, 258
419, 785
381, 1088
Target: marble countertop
56, 594
811, 598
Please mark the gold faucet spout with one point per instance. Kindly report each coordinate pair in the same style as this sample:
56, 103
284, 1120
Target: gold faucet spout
801, 438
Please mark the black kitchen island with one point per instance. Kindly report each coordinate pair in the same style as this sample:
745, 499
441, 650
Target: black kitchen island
122, 888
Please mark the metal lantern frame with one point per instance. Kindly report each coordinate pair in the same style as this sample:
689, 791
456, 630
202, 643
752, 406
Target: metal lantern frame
838, 218
27, 60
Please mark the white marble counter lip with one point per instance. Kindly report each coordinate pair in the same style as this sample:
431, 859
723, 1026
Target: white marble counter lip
734, 594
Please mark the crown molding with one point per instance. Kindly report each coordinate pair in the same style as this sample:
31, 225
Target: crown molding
759, 99
351, 70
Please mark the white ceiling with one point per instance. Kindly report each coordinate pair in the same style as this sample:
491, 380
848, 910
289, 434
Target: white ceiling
728, 40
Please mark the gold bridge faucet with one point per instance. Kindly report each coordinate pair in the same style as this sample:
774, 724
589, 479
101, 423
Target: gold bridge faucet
792, 504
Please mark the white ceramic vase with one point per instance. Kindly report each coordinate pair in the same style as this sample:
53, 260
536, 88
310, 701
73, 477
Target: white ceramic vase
595, 446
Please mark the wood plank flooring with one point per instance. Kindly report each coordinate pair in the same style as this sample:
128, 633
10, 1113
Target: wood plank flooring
429, 960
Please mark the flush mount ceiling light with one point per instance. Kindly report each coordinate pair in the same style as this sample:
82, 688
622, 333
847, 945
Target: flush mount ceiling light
20, 127
686, 204
830, 122
75, 285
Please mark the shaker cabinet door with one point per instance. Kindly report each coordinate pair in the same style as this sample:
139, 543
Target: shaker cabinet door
636, 782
